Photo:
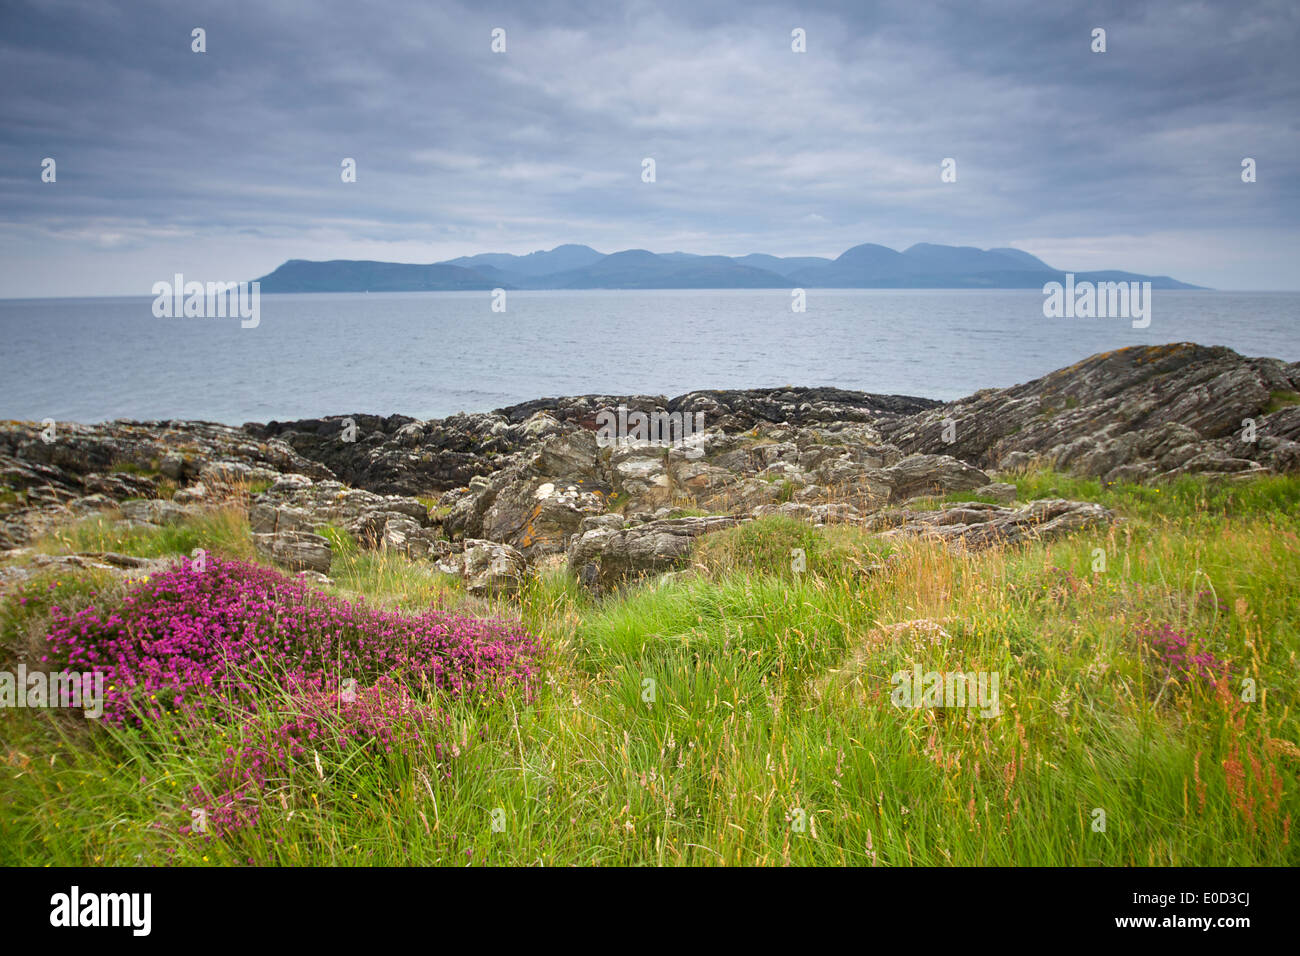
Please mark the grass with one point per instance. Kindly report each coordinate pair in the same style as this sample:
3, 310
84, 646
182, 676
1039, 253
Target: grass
739, 712
1278, 400
435, 510
135, 468
222, 531
1187, 498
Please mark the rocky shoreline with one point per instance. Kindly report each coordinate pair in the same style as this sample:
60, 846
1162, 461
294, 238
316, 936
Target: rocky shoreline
489, 495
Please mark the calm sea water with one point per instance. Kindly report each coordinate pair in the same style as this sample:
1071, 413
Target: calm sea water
432, 354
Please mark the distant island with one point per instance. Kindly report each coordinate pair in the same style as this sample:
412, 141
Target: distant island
868, 266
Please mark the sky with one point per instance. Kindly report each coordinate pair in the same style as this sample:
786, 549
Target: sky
223, 164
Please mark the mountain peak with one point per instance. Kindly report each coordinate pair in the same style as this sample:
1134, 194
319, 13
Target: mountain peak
923, 265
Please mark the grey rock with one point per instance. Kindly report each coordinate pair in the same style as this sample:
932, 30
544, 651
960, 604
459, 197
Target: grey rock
487, 567
156, 511
1002, 492
1138, 412
977, 525
191, 494
532, 477
296, 503
930, 475
604, 558
296, 550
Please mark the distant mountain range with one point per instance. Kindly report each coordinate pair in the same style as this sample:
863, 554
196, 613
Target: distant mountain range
868, 266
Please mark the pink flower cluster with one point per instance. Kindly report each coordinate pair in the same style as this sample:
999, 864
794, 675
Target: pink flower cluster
378, 718
201, 643
189, 638
1173, 649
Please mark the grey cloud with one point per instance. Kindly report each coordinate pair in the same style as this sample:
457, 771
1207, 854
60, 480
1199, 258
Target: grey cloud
758, 149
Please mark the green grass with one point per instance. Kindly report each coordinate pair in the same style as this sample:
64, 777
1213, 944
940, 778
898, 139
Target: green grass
435, 510
223, 531
135, 468
1279, 400
341, 540
739, 712
1188, 497
932, 502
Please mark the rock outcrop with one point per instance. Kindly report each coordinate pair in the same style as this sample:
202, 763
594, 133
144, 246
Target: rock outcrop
1134, 414
296, 503
487, 567
610, 553
48, 475
540, 482
401, 455
976, 525
296, 550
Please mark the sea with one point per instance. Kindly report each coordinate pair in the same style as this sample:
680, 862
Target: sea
431, 354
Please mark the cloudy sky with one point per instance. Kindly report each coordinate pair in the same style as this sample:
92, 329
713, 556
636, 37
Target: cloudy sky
223, 164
